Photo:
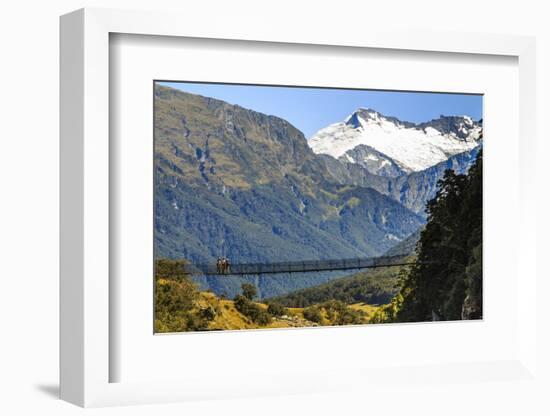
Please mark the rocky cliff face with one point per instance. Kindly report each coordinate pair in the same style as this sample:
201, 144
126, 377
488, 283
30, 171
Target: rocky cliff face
412, 190
373, 161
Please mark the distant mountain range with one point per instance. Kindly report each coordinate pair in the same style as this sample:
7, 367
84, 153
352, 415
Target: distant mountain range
387, 146
412, 190
400, 159
234, 182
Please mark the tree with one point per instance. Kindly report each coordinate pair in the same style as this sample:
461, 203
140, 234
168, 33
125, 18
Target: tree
446, 281
176, 297
171, 269
313, 314
175, 292
251, 310
249, 291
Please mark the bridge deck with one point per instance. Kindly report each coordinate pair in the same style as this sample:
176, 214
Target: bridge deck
300, 266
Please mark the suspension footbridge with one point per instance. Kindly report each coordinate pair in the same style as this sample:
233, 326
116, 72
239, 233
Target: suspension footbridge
298, 266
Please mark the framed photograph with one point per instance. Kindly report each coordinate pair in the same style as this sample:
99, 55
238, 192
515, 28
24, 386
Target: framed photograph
321, 202
262, 223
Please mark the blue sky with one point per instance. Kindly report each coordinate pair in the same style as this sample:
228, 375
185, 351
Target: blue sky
310, 109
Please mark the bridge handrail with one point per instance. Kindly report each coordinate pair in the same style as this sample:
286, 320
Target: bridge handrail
300, 266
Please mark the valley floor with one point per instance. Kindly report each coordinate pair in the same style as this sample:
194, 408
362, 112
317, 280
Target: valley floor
227, 317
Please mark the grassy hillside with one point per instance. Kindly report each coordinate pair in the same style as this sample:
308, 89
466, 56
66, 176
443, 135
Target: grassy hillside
227, 317
181, 307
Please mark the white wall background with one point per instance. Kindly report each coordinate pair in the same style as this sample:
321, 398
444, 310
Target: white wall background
29, 56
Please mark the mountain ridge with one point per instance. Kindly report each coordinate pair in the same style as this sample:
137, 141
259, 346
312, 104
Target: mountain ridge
412, 190
412, 146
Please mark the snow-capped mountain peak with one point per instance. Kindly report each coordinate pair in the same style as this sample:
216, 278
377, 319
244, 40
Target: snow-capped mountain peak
362, 117
410, 146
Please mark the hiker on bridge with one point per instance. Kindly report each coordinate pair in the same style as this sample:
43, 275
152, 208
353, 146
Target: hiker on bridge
223, 265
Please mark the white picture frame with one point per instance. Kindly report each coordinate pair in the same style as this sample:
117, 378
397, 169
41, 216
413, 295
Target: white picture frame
86, 356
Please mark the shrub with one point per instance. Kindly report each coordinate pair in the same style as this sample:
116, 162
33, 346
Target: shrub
349, 316
276, 309
313, 314
249, 291
208, 313
334, 312
175, 298
252, 310
339, 313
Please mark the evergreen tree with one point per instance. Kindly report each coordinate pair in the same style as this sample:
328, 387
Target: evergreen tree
446, 281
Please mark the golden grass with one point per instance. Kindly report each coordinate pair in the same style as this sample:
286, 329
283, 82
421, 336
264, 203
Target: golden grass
365, 307
229, 318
